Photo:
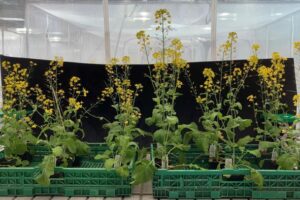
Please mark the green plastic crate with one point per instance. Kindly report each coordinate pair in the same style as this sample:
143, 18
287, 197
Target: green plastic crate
216, 184
89, 179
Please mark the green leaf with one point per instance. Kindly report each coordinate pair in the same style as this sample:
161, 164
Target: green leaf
20, 148
68, 123
142, 172
47, 168
266, 145
245, 140
287, 161
149, 121
103, 156
109, 163
238, 105
71, 145
257, 178
57, 151
172, 120
123, 171
255, 152
160, 135
202, 142
25, 162
244, 123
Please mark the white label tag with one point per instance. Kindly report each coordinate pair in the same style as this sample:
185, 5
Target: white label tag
274, 155
228, 163
212, 151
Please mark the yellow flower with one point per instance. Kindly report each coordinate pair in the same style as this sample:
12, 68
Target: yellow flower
74, 103
143, 39
200, 100
177, 44
255, 47
229, 44
237, 71
209, 73
74, 80
251, 98
141, 34
107, 92
126, 82
138, 86
162, 14
85, 92
297, 46
179, 84
126, 60
296, 100
114, 61
61, 92
232, 36
48, 111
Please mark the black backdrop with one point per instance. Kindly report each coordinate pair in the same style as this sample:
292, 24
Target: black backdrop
93, 78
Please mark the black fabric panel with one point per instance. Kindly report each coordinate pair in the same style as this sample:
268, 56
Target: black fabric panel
93, 78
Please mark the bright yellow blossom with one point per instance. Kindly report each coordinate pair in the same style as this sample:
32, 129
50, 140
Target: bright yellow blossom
200, 100
296, 100
74, 103
179, 84
297, 46
251, 98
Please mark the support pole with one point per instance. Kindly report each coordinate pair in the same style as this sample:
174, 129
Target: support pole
214, 13
106, 30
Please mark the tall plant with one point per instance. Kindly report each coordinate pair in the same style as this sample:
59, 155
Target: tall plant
61, 120
123, 131
219, 102
269, 104
165, 76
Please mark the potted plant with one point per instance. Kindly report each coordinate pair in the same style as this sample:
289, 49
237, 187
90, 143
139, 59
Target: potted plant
124, 153
17, 111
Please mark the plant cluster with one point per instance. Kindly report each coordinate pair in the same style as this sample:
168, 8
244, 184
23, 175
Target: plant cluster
215, 135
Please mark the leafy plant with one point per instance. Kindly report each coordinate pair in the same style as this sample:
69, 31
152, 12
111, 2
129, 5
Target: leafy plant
17, 125
165, 77
218, 100
122, 131
62, 121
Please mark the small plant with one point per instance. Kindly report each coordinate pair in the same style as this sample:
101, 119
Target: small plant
165, 77
62, 121
122, 131
17, 125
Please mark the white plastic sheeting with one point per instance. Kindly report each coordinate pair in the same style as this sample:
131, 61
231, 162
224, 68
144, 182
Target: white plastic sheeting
74, 29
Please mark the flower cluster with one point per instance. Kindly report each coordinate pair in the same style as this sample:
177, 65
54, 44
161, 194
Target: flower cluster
15, 87
296, 100
143, 40
273, 77
297, 46
54, 70
251, 98
230, 45
121, 90
253, 59
200, 100
209, 75
163, 19
75, 104
76, 91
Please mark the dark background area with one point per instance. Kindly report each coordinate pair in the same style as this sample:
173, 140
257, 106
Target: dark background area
93, 78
